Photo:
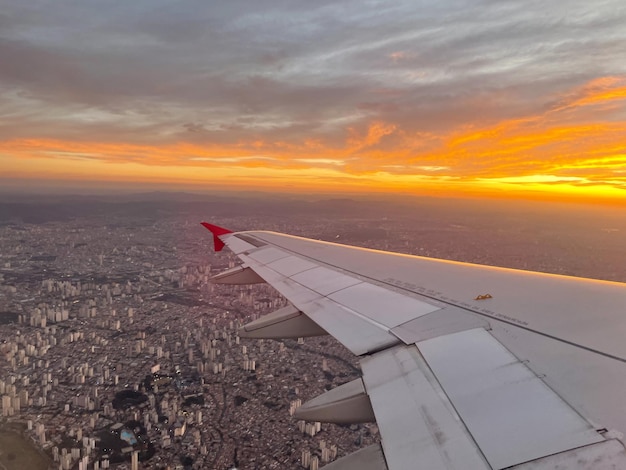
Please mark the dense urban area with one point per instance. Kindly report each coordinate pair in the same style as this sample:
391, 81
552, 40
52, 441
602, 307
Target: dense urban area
117, 352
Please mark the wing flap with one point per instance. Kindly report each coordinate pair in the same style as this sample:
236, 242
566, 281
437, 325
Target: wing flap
418, 425
513, 416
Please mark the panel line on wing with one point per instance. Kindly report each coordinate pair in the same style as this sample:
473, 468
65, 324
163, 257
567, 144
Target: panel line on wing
325, 281
266, 255
382, 305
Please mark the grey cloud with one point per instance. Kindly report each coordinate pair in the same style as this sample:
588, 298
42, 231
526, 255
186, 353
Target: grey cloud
292, 70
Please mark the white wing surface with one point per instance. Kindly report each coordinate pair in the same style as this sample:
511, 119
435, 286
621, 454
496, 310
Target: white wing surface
464, 366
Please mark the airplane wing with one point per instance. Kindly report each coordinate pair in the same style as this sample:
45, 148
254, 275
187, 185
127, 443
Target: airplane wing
464, 366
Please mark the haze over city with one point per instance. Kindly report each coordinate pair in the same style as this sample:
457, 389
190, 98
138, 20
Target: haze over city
115, 348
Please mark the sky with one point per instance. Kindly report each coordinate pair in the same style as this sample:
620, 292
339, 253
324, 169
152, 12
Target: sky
502, 98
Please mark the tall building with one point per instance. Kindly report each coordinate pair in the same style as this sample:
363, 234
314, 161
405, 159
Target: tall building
306, 458
134, 460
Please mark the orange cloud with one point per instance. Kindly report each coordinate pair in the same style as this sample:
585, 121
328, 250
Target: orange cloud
604, 90
575, 149
375, 132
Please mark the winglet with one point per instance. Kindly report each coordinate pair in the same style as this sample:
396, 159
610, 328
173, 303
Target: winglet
217, 232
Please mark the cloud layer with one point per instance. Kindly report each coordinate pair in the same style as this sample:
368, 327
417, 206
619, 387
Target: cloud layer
473, 92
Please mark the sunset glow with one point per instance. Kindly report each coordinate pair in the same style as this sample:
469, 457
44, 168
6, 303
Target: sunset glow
376, 115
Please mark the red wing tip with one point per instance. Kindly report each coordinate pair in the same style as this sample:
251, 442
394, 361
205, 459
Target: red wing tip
215, 229
217, 232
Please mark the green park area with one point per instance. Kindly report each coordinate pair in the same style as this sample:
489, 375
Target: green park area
17, 453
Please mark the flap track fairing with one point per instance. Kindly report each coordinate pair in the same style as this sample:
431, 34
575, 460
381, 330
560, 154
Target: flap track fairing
238, 275
288, 322
346, 404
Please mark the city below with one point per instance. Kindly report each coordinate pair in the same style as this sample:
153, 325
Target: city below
117, 352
